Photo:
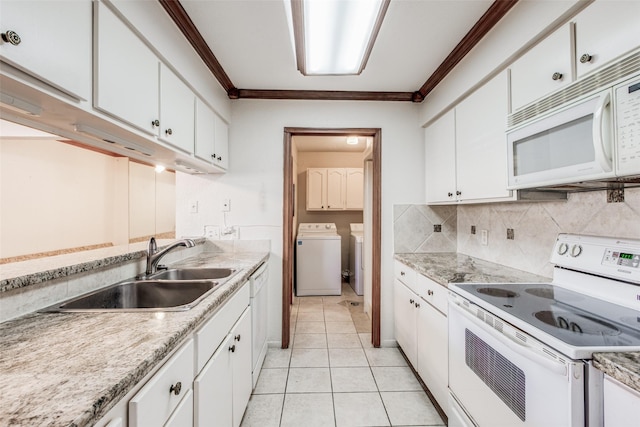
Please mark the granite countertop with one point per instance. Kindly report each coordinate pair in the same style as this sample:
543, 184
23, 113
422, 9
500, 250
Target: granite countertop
452, 267
624, 367
69, 369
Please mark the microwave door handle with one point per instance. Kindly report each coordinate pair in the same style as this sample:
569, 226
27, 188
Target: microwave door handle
519, 347
602, 142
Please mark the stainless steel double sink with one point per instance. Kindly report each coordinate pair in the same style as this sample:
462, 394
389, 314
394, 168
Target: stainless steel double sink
176, 289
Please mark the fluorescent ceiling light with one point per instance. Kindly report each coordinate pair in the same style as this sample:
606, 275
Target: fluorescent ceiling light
112, 139
335, 37
352, 140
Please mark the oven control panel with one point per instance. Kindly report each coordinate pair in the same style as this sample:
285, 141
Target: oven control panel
614, 257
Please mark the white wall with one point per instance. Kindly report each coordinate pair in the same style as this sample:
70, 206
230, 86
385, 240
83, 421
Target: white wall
254, 183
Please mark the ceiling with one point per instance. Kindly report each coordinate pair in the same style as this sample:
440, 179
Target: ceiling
251, 42
318, 143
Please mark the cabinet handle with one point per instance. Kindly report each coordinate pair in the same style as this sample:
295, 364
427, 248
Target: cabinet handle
237, 338
402, 273
449, 194
12, 37
458, 193
557, 76
417, 305
175, 389
155, 123
429, 292
168, 131
219, 158
232, 348
411, 301
585, 58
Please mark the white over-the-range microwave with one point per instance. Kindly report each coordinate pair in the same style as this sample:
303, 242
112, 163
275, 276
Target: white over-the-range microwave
589, 142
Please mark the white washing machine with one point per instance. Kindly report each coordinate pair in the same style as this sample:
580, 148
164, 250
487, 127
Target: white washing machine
318, 260
356, 252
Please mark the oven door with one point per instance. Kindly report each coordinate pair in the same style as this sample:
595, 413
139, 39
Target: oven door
499, 381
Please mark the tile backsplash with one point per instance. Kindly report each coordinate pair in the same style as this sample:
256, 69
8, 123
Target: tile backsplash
535, 227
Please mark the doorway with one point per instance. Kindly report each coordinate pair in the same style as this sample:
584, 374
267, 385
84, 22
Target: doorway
289, 196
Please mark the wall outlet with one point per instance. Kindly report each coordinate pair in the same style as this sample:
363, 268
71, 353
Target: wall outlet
473, 229
484, 237
193, 206
226, 205
510, 234
212, 232
437, 228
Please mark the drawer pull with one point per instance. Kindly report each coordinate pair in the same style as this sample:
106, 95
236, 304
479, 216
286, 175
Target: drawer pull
11, 37
237, 338
402, 273
417, 305
232, 348
429, 292
175, 389
411, 301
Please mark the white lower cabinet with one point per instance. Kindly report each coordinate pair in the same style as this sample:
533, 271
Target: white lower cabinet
155, 403
223, 386
183, 415
421, 330
620, 404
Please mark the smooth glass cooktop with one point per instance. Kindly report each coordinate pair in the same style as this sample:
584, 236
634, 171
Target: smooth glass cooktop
575, 319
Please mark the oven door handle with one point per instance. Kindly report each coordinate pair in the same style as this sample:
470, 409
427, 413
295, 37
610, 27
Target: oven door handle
519, 347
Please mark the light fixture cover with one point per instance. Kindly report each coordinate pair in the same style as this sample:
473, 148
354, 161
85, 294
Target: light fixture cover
352, 140
335, 37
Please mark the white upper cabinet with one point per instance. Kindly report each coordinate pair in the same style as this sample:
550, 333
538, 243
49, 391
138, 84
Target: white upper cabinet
50, 40
126, 89
205, 132
440, 159
543, 69
335, 189
481, 145
177, 111
466, 150
604, 31
221, 152
355, 188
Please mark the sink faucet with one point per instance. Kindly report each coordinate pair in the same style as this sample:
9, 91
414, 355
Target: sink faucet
153, 256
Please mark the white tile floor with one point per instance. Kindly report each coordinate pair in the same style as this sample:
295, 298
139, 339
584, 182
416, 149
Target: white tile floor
331, 375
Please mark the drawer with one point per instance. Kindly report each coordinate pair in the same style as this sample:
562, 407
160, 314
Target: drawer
183, 415
433, 292
154, 403
405, 274
211, 334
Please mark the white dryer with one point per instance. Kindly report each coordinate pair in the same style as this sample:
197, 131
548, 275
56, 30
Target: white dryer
356, 253
318, 260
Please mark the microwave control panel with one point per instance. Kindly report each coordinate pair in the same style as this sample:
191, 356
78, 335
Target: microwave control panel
628, 127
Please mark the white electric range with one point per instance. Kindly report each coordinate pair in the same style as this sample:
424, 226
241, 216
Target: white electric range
519, 354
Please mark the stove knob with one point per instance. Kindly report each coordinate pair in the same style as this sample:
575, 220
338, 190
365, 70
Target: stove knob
563, 248
576, 250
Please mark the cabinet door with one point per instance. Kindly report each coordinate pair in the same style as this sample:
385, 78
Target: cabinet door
183, 415
213, 389
620, 403
440, 159
177, 104
405, 320
433, 352
125, 88
542, 70
222, 143
316, 188
355, 188
604, 31
241, 364
335, 189
205, 132
481, 145
155, 402
54, 42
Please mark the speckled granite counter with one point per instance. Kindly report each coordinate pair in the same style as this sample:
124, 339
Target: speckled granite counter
451, 267
69, 369
624, 367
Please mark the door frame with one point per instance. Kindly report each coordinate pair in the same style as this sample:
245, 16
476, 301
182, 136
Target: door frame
288, 237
